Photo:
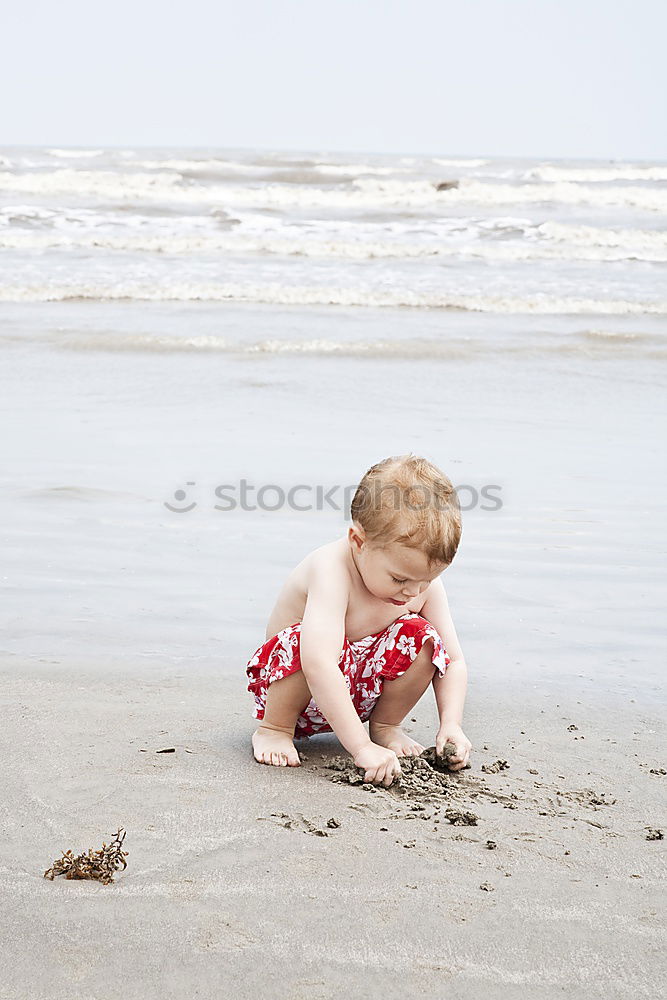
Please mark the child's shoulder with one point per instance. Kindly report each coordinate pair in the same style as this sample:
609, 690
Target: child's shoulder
330, 557
329, 562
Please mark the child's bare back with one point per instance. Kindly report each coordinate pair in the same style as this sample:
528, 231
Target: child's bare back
350, 620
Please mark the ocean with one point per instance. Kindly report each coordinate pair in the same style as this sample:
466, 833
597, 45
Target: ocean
174, 320
473, 235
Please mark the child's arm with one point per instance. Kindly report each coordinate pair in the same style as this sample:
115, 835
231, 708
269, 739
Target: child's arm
450, 690
322, 637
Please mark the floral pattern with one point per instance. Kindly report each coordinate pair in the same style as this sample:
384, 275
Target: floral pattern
366, 664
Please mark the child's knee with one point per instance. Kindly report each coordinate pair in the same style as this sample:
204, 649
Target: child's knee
295, 682
424, 658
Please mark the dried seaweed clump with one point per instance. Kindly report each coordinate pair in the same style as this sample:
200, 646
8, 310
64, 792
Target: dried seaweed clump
99, 865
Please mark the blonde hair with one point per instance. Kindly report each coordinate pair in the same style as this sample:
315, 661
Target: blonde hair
408, 501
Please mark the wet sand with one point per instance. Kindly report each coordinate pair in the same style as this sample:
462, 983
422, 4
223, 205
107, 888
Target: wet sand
127, 628
285, 883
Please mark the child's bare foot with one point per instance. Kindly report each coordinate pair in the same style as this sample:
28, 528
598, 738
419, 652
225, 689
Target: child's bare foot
274, 746
394, 739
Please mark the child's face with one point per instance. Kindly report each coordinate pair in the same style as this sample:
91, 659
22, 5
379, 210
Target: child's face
395, 574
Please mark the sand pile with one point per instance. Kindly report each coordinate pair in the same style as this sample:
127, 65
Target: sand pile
424, 777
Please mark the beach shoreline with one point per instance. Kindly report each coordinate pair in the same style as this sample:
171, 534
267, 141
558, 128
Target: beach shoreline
161, 339
232, 868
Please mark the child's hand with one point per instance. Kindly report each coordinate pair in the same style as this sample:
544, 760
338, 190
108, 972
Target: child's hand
380, 763
451, 733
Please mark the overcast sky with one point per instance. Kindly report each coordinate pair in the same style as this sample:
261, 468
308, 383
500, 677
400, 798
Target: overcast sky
543, 78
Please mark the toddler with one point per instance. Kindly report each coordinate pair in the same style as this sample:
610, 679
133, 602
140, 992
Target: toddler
362, 626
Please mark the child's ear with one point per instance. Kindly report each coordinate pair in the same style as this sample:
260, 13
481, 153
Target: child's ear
356, 535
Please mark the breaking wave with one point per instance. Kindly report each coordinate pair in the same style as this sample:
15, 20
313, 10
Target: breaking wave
619, 172
592, 344
282, 294
564, 246
364, 192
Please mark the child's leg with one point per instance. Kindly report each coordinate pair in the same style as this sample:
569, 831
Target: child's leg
397, 698
285, 701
